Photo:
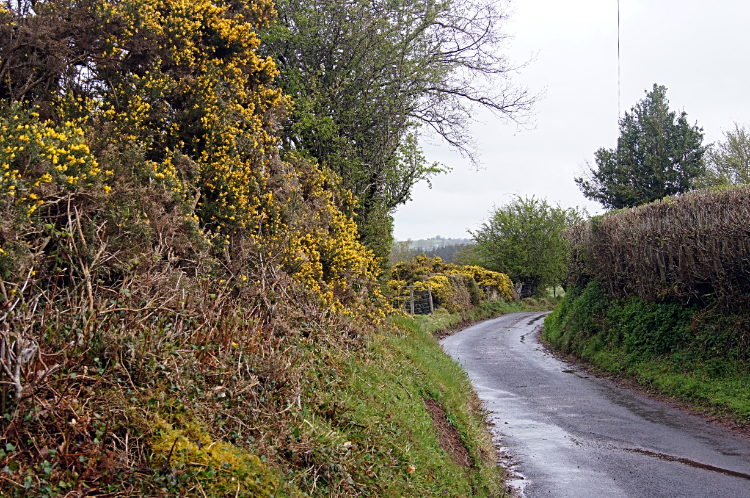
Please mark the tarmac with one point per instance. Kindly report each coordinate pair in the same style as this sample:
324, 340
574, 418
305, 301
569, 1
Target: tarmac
564, 433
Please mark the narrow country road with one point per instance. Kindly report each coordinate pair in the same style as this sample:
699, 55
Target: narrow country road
567, 434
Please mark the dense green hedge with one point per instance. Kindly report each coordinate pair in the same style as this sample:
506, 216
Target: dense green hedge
695, 353
588, 321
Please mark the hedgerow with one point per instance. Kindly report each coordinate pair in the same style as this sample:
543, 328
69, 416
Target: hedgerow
660, 293
454, 287
693, 248
166, 277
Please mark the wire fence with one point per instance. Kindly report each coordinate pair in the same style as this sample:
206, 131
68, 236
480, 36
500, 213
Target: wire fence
413, 301
421, 302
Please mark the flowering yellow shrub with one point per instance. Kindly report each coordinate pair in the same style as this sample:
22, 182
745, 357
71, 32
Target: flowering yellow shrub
439, 285
204, 94
226, 125
320, 243
36, 157
452, 285
499, 282
181, 104
449, 291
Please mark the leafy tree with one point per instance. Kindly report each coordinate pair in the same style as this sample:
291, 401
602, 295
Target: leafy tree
365, 75
658, 154
401, 251
467, 256
160, 116
728, 161
523, 239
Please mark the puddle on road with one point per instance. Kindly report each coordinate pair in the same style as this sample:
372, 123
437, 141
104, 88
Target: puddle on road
516, 481
568, 371
690, 463
531, 322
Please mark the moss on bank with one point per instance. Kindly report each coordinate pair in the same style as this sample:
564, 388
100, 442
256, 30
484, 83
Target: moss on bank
696, 354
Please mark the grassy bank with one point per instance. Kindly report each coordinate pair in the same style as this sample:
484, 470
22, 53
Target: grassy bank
382, 401
326, 408
697, 355
401, 375
386, 398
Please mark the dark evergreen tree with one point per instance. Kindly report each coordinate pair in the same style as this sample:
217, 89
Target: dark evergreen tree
658, 154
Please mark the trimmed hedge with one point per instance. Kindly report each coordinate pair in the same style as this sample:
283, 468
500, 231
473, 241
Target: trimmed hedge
694, 248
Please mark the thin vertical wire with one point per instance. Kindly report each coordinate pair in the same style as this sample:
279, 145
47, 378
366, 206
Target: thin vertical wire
618, 60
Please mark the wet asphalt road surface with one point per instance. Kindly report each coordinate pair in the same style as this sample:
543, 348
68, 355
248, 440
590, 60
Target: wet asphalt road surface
566, 434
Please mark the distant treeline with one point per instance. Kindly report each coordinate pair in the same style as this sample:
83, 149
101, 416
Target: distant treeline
435, 242
449, 253
446, 253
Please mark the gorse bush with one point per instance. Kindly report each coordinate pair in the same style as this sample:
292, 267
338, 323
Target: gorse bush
457, 288
166, 277
173, 118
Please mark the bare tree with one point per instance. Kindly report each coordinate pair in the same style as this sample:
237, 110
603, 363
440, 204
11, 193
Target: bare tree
367, 75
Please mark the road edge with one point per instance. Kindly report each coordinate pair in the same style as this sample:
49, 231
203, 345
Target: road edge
628, 383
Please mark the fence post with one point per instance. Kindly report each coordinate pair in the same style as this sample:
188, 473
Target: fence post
429, 291
411, 296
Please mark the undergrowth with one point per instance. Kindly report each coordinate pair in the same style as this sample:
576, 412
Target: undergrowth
233, 403
697, 354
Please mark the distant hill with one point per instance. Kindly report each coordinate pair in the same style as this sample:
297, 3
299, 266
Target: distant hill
436, 242
435, 246
446, 253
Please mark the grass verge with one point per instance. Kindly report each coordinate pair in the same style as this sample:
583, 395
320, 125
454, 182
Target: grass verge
380, 408
374, 413
696, 355
221, 405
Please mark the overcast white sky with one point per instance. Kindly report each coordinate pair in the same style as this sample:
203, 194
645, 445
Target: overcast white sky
697, 49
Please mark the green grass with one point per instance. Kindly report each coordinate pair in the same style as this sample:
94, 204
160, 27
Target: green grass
696, 355
371, 424
377, 431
